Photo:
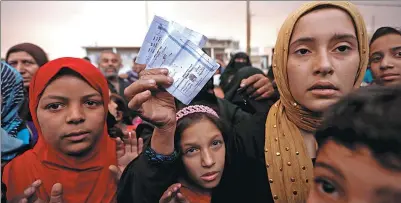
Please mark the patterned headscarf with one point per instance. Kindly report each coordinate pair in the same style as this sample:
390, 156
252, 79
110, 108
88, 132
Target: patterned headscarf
290, 169
12, 95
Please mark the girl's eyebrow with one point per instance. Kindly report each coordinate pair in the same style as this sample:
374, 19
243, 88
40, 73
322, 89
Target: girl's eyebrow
58, 97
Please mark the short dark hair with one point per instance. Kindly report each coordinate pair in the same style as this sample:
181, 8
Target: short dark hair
382, 32
371, 117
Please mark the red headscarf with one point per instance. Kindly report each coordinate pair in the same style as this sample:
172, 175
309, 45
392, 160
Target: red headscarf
87, 180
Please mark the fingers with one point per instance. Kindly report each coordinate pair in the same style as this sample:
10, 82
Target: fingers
140, 145
261, 91
134, 141
161, 80
56, 194
265, 95
29, 193
116, 172
139, 86
181, 199
169, 194
262, 81
154, 71
250, 80
137, 101
24, 200
139, 67
120, 151
128, 143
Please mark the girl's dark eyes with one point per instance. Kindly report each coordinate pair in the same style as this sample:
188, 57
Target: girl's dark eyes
302, 51
53, 106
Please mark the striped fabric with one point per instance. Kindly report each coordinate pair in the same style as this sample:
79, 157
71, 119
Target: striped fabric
12, 97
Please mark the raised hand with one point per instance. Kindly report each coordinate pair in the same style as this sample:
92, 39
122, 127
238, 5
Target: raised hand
29, 196
258, 86
173, 195
149, 100
127, 150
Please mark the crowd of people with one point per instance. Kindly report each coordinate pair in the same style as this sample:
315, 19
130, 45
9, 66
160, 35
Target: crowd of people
322, 126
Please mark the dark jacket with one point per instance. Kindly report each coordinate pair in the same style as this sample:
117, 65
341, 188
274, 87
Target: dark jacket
244, 179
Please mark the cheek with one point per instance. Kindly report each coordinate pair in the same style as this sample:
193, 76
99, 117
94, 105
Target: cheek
192, 165
221, 155
32, 69
347, 71
297, 72
50, 125
375, 68
95, 119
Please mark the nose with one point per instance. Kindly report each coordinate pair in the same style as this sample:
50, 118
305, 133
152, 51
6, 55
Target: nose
75, 115
20, 67
207, 159
386, 63
323, 64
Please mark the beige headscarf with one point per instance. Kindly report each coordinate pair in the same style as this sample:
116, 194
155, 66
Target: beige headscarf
290, 169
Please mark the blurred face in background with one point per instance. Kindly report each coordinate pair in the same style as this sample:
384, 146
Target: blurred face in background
25, 64
109, 64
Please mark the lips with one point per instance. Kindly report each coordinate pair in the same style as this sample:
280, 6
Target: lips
210, 176
323, 89
390, 76
77, 135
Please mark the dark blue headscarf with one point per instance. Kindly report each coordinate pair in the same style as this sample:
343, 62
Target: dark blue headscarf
12, 93
12, 98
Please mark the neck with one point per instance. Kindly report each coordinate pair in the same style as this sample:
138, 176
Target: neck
112, 79
193, 187
310, 142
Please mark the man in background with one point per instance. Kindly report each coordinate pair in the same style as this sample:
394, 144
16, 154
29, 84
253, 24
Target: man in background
110, 64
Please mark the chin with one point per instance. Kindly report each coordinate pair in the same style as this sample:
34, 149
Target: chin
79, 149
211, 185
321, 105
390, 83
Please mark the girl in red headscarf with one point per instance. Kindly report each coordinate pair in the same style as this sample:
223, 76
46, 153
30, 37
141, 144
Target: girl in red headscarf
68, 100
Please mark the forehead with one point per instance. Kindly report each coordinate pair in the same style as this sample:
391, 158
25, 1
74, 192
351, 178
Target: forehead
19, 56
323, 22
385, 42
200, 132
108, 55
69, 85
349, 163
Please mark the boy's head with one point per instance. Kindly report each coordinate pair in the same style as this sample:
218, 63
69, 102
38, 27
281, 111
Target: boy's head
385, 56
359, 157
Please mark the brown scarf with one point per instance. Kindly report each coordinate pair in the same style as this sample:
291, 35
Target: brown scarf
290, 169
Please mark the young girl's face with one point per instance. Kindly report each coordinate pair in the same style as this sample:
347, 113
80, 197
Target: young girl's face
204, 151
71, 115
323, 58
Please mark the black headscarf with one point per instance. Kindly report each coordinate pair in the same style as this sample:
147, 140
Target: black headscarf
248, 105
232, 68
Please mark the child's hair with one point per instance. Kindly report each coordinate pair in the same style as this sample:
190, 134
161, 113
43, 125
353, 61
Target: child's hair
369, 117
384, 31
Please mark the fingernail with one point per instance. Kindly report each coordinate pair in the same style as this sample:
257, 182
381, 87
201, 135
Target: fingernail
165, 71
170, 80
242, 85
152, 82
